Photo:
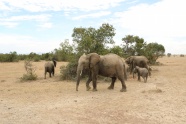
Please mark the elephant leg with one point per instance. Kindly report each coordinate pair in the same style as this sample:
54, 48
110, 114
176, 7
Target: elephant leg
133, 65
94, 83
94, 78
112, 83
133, 75
124, 88
88, 82
50, 74
144, 78
53, 72
139, 77
125, 75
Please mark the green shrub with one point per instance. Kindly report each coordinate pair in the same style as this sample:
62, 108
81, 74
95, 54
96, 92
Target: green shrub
36, 59
69, 72
29, 77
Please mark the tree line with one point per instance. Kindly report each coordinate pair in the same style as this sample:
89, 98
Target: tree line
88, 40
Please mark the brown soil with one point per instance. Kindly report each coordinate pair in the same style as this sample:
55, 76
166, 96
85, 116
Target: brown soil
51, 101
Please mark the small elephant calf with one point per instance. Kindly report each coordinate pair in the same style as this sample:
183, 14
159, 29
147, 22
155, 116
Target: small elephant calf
141, 72
50, 68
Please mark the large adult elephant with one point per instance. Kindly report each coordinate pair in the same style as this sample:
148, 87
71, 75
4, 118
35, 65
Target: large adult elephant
140, 61
50, 67
109, 65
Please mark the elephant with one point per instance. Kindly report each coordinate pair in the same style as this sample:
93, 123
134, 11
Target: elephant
50, 67
140, 61
141, 72
109, 65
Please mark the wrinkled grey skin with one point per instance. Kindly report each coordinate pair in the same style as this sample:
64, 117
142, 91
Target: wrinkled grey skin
125, 66
109, 65
143, 72
50, 68
140, 61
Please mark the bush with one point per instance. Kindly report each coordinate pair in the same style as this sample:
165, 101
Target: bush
169, 54
181, 55
30, 69
36, 59
27, 77
9, 57
69, 72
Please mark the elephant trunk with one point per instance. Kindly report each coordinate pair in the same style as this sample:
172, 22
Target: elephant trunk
79, 73
55, 63
134, 72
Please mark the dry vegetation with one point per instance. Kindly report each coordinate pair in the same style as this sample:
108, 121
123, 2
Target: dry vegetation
51, 101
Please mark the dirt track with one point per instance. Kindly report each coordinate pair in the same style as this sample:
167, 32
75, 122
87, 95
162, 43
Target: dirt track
50, 101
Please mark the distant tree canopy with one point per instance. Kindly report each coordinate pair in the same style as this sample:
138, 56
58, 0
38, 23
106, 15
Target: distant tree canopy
133, 45
65, 52
153, 51
14, 57
9, 57
90, 40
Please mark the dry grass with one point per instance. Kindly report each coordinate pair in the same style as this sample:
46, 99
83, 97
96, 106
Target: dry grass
161, 100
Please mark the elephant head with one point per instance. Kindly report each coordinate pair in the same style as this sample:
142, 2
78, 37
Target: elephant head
54, 62
134, 61
129, 62
88, 61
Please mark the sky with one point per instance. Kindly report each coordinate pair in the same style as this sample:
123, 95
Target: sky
41, 25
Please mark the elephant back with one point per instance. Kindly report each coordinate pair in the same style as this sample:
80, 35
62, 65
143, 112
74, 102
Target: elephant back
111, 59
49, 64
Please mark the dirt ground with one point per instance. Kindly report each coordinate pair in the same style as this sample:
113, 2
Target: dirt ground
162, 100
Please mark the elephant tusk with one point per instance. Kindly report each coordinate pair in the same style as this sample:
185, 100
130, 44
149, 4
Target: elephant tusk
81, 73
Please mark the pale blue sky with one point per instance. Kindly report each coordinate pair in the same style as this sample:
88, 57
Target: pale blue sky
41, 25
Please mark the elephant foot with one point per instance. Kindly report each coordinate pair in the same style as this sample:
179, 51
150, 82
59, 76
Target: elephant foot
94, 90
88, 88
123, 90
110, 87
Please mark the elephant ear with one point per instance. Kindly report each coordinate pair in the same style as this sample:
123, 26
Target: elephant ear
94, 59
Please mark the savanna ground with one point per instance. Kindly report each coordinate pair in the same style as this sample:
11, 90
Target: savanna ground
51, 101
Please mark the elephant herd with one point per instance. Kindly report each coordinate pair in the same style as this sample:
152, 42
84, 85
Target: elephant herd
109, 65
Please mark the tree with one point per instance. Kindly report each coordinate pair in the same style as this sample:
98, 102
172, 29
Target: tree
9, 57
65, 52
93, 40
133, 45
153, 51
128, 41
117, 50
46, 56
